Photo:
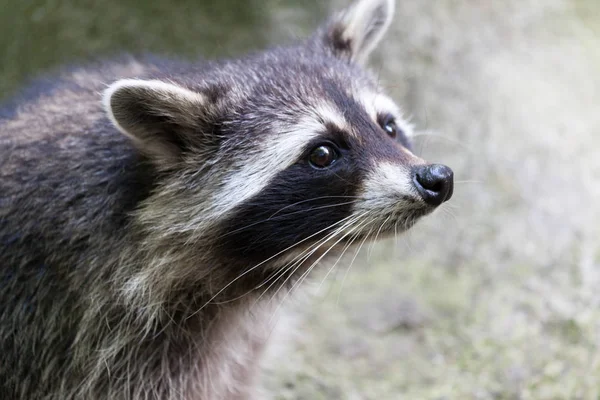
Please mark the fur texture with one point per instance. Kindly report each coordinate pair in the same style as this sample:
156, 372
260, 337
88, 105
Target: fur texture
144, 234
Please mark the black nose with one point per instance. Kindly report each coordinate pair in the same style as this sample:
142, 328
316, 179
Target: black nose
434, 182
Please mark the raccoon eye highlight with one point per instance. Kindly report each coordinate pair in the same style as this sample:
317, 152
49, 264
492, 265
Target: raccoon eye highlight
322, 156
388, 123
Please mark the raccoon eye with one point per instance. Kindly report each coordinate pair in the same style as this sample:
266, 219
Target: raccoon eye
388, 124
322, 156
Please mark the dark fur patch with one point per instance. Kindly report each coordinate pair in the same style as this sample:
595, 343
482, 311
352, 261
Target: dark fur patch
342, 45
298, 203
215, 92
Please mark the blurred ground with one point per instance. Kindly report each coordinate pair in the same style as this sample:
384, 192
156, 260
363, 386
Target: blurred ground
494, 297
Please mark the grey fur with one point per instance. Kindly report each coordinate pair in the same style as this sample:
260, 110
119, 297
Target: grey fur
114, 283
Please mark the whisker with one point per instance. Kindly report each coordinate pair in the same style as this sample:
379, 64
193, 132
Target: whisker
271, 217
296, 262
305, 274
449, 213
341, 255
316, 198
396, 238
427, 135
352, 239
300, 259
263, 262
377, 235
324, 241
407, 235
422, 143
351, 263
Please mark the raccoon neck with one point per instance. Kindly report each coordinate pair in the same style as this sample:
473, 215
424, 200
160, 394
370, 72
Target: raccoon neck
214, 353
182, 279
179, 320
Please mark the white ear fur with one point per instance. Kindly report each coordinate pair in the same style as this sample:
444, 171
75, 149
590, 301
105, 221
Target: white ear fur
154, 114
360, 27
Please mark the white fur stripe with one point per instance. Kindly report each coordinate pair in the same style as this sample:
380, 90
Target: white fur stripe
384, 187
377, 103
281, 150
329, 114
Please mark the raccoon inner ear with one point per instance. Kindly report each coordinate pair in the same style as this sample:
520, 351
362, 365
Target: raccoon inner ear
162, 119
354, 32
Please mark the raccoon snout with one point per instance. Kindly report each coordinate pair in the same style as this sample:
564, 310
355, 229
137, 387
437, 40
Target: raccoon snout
434, 182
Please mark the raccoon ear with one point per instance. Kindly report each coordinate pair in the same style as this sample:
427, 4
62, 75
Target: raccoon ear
354, 32
161, 118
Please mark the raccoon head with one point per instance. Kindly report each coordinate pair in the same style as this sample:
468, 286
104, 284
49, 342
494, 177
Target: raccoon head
281, 151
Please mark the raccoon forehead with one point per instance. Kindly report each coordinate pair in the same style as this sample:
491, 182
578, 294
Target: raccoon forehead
376, 103
326, 114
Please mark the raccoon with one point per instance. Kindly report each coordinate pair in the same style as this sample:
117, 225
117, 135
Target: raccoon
152, 209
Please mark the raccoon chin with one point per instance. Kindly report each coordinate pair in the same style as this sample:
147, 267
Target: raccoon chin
392, 225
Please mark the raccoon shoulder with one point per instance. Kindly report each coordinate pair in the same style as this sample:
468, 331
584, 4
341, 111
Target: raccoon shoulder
65, 173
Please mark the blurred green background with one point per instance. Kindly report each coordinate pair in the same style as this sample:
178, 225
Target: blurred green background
496, 296
39, 34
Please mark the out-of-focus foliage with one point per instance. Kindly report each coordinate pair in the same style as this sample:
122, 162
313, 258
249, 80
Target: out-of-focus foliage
36, 35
